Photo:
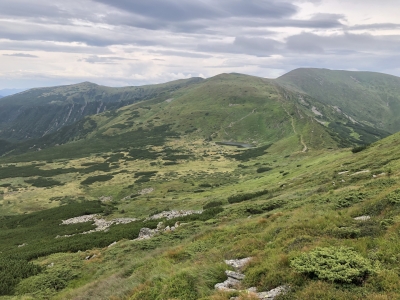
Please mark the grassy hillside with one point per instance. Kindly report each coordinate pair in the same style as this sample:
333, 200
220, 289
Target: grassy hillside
272, 206
37, 112
225, 108
292, 201
366, 97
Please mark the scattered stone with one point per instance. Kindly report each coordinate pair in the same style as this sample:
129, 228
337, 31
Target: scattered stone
160, 226
106, 198
101, 224
238, 264
360, 172
146, 191
234, 280
234, 275
173, 214
229, 285
272, 294
50, 265
113, 244
145, 233
23, 245
362, 218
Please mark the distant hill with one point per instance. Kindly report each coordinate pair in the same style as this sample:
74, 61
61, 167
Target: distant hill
37, 112
224, 108
364, 97
9, 92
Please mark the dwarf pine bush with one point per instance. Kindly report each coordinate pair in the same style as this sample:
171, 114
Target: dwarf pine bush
343, 265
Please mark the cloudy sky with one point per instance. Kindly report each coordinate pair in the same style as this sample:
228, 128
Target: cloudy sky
135, 42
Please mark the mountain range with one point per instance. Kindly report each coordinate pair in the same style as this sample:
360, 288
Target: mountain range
227, 107
287, 186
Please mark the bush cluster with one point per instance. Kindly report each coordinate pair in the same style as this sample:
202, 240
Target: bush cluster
244, 197
334, 264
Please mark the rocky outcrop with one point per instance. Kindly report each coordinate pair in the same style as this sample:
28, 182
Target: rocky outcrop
172, 214
147, 233
232, 284
101, 224
362, 218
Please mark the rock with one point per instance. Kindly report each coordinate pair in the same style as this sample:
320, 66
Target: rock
50, 265
177, 224
272, 294
235, 275
362, 218
106, 198
160, 226
173, 214
145, 233
238, 264
112, 244
228, 285
23, 245
146, 191
167, 228
101, 224
87, 257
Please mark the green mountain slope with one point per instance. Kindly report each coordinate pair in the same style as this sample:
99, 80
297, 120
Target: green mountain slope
364, 97
37, 112
274, 205
225, 108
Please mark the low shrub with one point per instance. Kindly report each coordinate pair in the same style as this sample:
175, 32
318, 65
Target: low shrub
244, 197
342, 265
98, 178
263, 169
359, 148
212, 204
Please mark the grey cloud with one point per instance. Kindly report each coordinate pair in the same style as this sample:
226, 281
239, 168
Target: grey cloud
91, 36
95, 59
50, 47
375, 26
187, 10
21, 55
243, 45
341, 43
26, 8
180, 53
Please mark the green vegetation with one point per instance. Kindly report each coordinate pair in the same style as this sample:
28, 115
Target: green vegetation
98, 178
295, 202
334, 265
247, 196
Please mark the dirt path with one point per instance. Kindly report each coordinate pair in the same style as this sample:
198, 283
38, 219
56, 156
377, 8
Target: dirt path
305, 148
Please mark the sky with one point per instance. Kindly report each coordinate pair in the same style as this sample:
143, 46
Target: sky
137, 42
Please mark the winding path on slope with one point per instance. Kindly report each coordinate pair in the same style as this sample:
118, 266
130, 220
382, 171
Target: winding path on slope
305, 148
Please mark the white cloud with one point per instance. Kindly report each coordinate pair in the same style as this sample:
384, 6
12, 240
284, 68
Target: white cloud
50, 42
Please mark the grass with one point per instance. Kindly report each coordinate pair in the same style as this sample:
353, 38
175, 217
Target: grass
300, 202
